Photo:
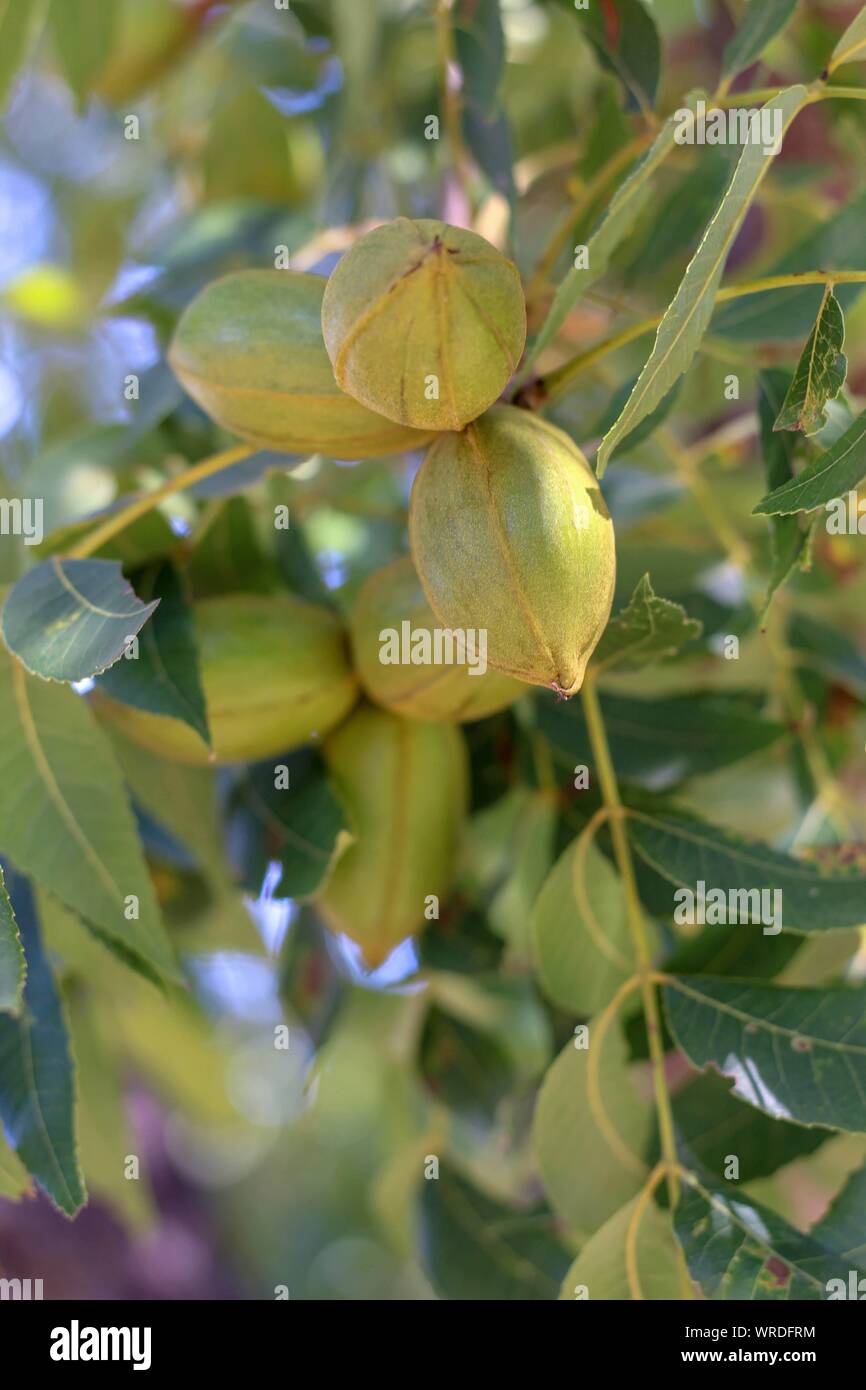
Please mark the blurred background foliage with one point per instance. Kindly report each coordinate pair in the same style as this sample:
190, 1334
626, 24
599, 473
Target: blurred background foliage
146, 147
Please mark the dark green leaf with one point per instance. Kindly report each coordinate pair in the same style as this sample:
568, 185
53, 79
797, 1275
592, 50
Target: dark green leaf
37, 1091
831, 475
467, 1070
764, 20
712, 1125
829, 651
787, 537
69, 619
164, 678
660, 743
228, 557
736, 1248
689, 852
302, 826
624, 35
647, 631
820, 373
796, 1054
477, 1249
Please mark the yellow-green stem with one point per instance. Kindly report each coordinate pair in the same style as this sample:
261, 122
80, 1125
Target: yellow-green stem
622, 850
142, 505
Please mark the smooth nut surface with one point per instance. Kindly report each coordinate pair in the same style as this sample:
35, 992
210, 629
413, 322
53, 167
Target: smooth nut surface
249, 351
509, 531
388, 601
424, 323
274, 672
405, 786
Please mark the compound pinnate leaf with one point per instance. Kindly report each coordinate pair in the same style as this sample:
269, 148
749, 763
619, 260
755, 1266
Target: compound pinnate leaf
590, 1131
764, 20
736, 1248
648, 630
579, 931
67, 620
820, 373
37, 1093
796, 1054
602, 1271
831, 475
687, 852
164, 677
64, 817
476, 1248
685, 322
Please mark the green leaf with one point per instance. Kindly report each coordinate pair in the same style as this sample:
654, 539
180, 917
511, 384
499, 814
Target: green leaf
69, 619
530, 855
12, 963
685, 322
303, 826
20, 25
228, 557
679, 220
467, 1070
796, 1054
64, 816
164, 678
788, 314
647, 631
83, 32
829, 651
659, 743
820, 373
711, 1125
764, 20
624, 35
736, 1248
480, 48
787, 537
475, 1248
831, 475
579, 932
600, 1271
852, 45
622, 213
590, 1131
37, 1092
104, 1134
687, 851
14, 1178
